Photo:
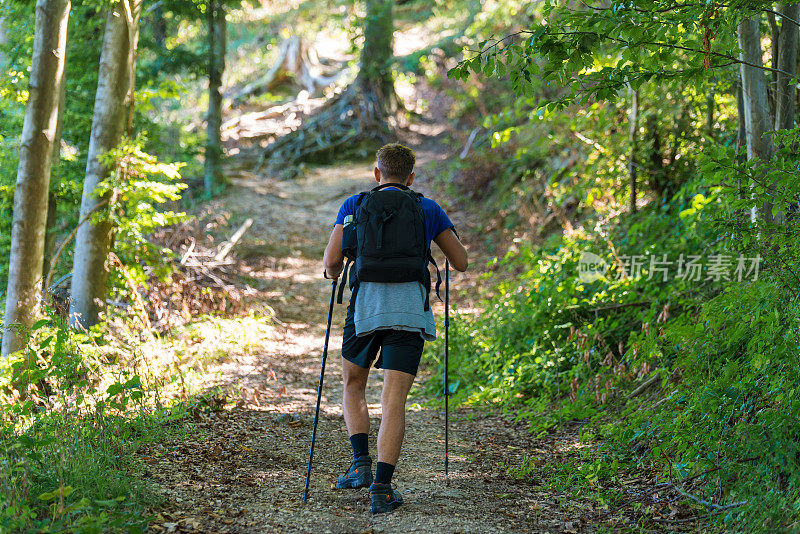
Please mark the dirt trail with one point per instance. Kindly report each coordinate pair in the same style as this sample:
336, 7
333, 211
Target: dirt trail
246, 472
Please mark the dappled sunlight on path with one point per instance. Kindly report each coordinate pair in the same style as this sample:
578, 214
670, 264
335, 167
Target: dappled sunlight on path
244, 470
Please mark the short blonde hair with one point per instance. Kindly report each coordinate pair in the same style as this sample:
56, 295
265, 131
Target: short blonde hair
396, 161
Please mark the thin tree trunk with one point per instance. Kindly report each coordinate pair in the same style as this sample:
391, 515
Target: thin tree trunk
710, 113
658, 180
741, 133
112, 104
786, 61
758, 122
216, 67
159, 26
3, 42
33, 173
633, 120
774, 38
374, 66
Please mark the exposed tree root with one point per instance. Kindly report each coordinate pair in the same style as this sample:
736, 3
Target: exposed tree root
357, 116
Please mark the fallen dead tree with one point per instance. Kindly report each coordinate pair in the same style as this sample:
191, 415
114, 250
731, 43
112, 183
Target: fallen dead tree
272, 122
297, 63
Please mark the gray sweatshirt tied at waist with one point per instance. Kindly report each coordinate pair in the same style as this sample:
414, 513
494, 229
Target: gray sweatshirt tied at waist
393, 306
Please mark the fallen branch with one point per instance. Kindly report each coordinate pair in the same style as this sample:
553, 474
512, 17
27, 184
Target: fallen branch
189, 251
272, 122
699, 517
210, 264
683, 482
650, 382
469, 143
227, 246
359, 114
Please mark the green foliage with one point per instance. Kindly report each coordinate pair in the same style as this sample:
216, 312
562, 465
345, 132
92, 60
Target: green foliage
550, 348
544, 328
586, 53
731, 422
67, 442
726, 354
772, 236
136, 188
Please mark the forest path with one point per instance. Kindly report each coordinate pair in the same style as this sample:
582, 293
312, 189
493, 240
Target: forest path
245, 470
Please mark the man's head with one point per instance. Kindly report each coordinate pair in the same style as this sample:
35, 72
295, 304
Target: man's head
395, 164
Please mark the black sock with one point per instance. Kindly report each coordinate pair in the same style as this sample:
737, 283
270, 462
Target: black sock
383, 473
360, 444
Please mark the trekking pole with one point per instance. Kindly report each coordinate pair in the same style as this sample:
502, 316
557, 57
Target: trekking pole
446, 361
319, 389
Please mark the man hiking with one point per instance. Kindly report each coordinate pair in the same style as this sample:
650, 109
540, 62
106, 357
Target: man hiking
387, 233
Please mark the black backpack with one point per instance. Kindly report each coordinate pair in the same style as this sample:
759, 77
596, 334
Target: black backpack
386, 240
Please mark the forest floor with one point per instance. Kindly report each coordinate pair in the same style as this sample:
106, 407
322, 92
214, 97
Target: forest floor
243, 467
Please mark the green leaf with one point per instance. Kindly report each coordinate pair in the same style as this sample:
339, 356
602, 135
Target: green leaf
49, 496
39, 324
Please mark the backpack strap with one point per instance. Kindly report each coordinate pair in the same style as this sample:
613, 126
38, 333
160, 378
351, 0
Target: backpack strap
438, 281
340, 295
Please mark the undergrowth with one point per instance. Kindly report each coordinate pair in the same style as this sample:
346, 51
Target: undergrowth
718, 420
75, 409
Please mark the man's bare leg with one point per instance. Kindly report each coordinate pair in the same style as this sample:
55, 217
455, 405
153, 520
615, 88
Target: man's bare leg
356, 417
396, 385
354, 401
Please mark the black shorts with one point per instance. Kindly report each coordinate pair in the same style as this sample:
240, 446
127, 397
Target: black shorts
400, 350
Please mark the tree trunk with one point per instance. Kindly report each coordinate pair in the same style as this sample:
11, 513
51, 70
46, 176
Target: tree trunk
216, 67
3, 43
112, 102
374, 65
774, 39
33, 173
756, 109
633, 120
49, 235
159, 26
710, 114
786, 61
741, 134
359, 115
52, 202
657, 179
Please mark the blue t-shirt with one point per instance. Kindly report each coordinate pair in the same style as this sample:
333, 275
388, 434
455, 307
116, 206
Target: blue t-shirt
436, 220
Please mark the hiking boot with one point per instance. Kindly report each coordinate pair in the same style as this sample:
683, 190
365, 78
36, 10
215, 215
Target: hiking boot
358, 476
384, 498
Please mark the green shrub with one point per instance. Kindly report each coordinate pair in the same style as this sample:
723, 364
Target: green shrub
68, 438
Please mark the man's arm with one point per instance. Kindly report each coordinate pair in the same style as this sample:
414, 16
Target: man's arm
452, 248
333, 260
